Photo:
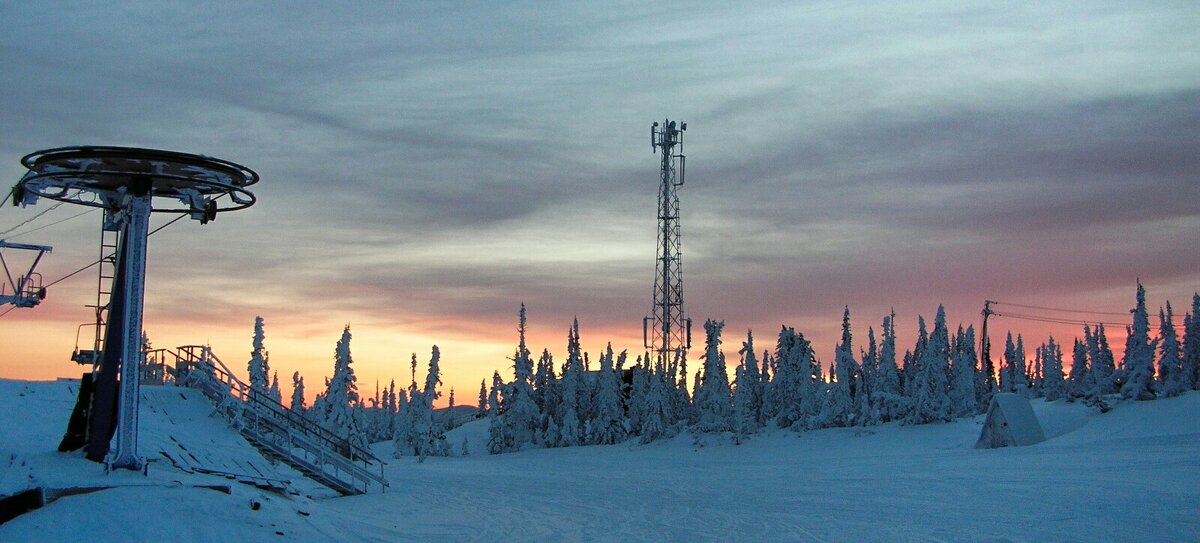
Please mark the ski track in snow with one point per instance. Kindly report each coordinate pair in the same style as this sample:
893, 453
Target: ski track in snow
1129, 475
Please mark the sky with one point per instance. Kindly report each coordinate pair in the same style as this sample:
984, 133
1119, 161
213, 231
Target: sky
427, 167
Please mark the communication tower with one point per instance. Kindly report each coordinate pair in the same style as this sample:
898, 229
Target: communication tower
129, 184
668, 331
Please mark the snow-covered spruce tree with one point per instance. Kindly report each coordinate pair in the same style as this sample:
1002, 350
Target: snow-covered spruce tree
1173, 380
449, 419
320, 408
297, 393
402, 426
682, 408
1013, 377
430, 437
1035, 374
638, 388
764, 377
342, 392
837, 408
1103, 364
655, 402
786, 393
521, 416
713, 394
498, 437
1021, 378
1191, 343
482, 409
571, 429
390, 410
362, 435
986, 384
274, 392
930, 402
257, 367
550, 392
963, 399
543, 378
609, 425
408, 410
913, 360
744, 422
865, 413
889, 401
1007, 369
1054, 387
1079, 381
753, 382
1139, 354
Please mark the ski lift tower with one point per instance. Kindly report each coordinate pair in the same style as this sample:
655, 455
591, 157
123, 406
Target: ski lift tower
129, 184
668, 331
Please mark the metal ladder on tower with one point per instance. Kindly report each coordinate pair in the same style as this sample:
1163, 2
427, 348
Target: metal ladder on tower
276, 431
108, 270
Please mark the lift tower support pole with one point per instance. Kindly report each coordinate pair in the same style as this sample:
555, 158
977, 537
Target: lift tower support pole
129, 184
137, 229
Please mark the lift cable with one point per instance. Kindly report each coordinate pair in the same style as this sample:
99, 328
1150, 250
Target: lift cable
1064, 310
61, 279
6, 200
60, 221
33, 218
85, 268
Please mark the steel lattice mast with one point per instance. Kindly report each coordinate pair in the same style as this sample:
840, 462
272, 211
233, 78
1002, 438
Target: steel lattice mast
668, 331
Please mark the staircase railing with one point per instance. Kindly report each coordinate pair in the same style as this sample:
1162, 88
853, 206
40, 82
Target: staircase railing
276, 430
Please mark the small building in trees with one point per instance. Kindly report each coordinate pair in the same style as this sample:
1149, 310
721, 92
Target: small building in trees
1010, 423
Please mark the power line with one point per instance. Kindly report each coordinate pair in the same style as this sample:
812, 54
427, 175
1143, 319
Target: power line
1063, 310
173, 221
69, 275
60, 221
33, 218
85, 268
1055, 320
6, 198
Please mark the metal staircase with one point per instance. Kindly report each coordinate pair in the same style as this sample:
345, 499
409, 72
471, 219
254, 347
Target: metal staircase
277, 432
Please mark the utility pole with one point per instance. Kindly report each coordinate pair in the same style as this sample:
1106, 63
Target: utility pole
985, 349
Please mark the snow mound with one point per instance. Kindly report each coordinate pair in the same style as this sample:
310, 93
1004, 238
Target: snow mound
474, 432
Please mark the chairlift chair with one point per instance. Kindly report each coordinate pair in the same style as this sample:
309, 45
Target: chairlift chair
26, 290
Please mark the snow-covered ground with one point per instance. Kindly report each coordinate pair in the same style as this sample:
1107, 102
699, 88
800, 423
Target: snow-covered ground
1132, 474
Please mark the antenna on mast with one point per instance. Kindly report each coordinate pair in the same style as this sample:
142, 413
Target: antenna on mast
668, 331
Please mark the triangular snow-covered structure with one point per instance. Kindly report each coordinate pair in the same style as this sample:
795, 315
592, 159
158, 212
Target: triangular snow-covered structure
1010, 423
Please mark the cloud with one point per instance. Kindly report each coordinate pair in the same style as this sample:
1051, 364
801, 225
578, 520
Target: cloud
433, 166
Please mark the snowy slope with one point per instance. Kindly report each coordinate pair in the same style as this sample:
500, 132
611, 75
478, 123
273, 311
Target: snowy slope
1128, 475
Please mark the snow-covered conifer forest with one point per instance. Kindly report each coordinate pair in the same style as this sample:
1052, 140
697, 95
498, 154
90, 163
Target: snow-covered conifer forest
643, 398
771, 443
